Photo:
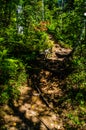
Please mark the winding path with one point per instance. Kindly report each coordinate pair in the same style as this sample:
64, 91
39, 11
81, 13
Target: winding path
41, 103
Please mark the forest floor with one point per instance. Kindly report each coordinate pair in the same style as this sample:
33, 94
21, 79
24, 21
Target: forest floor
44, 102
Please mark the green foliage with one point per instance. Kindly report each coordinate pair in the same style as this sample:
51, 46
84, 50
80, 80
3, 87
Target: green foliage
52, 26
76, 83
77, 78
43, 42
68, 27
12, 74
8, 67
8, 93
17, 49
74, 119
77, 116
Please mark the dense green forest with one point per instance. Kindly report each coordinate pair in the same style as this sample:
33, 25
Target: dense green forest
25, 30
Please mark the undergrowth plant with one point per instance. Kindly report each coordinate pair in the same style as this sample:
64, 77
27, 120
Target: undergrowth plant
12, 75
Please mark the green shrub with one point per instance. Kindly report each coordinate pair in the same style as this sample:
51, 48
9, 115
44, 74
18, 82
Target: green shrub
12, 74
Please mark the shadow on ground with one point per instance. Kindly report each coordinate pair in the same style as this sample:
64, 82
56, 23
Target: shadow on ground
47, 101
25, 123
